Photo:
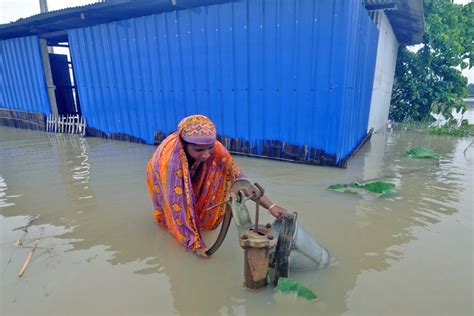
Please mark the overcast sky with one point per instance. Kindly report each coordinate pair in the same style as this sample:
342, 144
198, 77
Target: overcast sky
12, 10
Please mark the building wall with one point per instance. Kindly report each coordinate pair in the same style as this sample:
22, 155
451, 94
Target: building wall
387, 51
296, 73
22, 81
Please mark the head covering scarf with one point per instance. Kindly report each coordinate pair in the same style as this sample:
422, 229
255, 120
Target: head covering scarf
181, 194
197, 129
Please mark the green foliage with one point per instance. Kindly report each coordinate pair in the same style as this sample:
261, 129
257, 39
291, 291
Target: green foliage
380, 188
287, 285
452, 129
429, 80
422, 152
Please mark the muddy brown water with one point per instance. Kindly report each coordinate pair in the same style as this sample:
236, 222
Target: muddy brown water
100, 253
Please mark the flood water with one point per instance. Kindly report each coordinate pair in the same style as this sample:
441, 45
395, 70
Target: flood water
99, 251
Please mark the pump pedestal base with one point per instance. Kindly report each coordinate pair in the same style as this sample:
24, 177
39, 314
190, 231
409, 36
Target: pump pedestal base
257, 246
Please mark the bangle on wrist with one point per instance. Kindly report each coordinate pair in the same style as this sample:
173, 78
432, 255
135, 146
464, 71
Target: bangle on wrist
271, 206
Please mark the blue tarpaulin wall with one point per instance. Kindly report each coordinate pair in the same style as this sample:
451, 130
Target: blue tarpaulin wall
297, 72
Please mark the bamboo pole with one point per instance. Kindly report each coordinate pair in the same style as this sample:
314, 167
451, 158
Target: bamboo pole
30, 255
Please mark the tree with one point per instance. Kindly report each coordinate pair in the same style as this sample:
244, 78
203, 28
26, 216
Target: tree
430, 79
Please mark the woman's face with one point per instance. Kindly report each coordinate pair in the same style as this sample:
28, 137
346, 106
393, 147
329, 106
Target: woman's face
199, 152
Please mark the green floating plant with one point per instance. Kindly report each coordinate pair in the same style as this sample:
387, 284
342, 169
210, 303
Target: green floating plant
422, 152
287, 285
380, 188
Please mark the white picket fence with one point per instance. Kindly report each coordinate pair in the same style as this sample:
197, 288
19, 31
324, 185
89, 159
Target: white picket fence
68, 124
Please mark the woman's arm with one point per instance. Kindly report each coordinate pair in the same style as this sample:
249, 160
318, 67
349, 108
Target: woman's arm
273, 208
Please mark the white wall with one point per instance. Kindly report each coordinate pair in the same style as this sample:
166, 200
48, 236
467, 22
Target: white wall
384, 73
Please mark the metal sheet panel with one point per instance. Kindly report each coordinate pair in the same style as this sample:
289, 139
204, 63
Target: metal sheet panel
22, 81
299, 72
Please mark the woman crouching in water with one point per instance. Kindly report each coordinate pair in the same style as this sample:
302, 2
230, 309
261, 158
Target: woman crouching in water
188, 175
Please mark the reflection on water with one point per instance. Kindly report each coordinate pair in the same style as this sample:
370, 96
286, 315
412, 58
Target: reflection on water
4, 199
100, 242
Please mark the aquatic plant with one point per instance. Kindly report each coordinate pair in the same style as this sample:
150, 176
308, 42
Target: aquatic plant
453, 127
288, 285
380, 188
422, 152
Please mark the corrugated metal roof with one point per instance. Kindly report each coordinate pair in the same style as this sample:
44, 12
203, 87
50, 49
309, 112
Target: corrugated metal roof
93, 14
51, 13
407, 19
405, 16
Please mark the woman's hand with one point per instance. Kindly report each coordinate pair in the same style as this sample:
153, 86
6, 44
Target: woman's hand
278, 211
201, 252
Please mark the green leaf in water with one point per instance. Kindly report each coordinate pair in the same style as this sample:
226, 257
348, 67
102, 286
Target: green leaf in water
346, 188
287, 285
357, 185
378, 187
337, 186
422, 152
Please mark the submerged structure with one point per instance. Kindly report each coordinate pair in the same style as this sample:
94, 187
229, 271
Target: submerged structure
298, 80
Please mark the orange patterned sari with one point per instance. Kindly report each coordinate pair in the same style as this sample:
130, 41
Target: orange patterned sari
181, 196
